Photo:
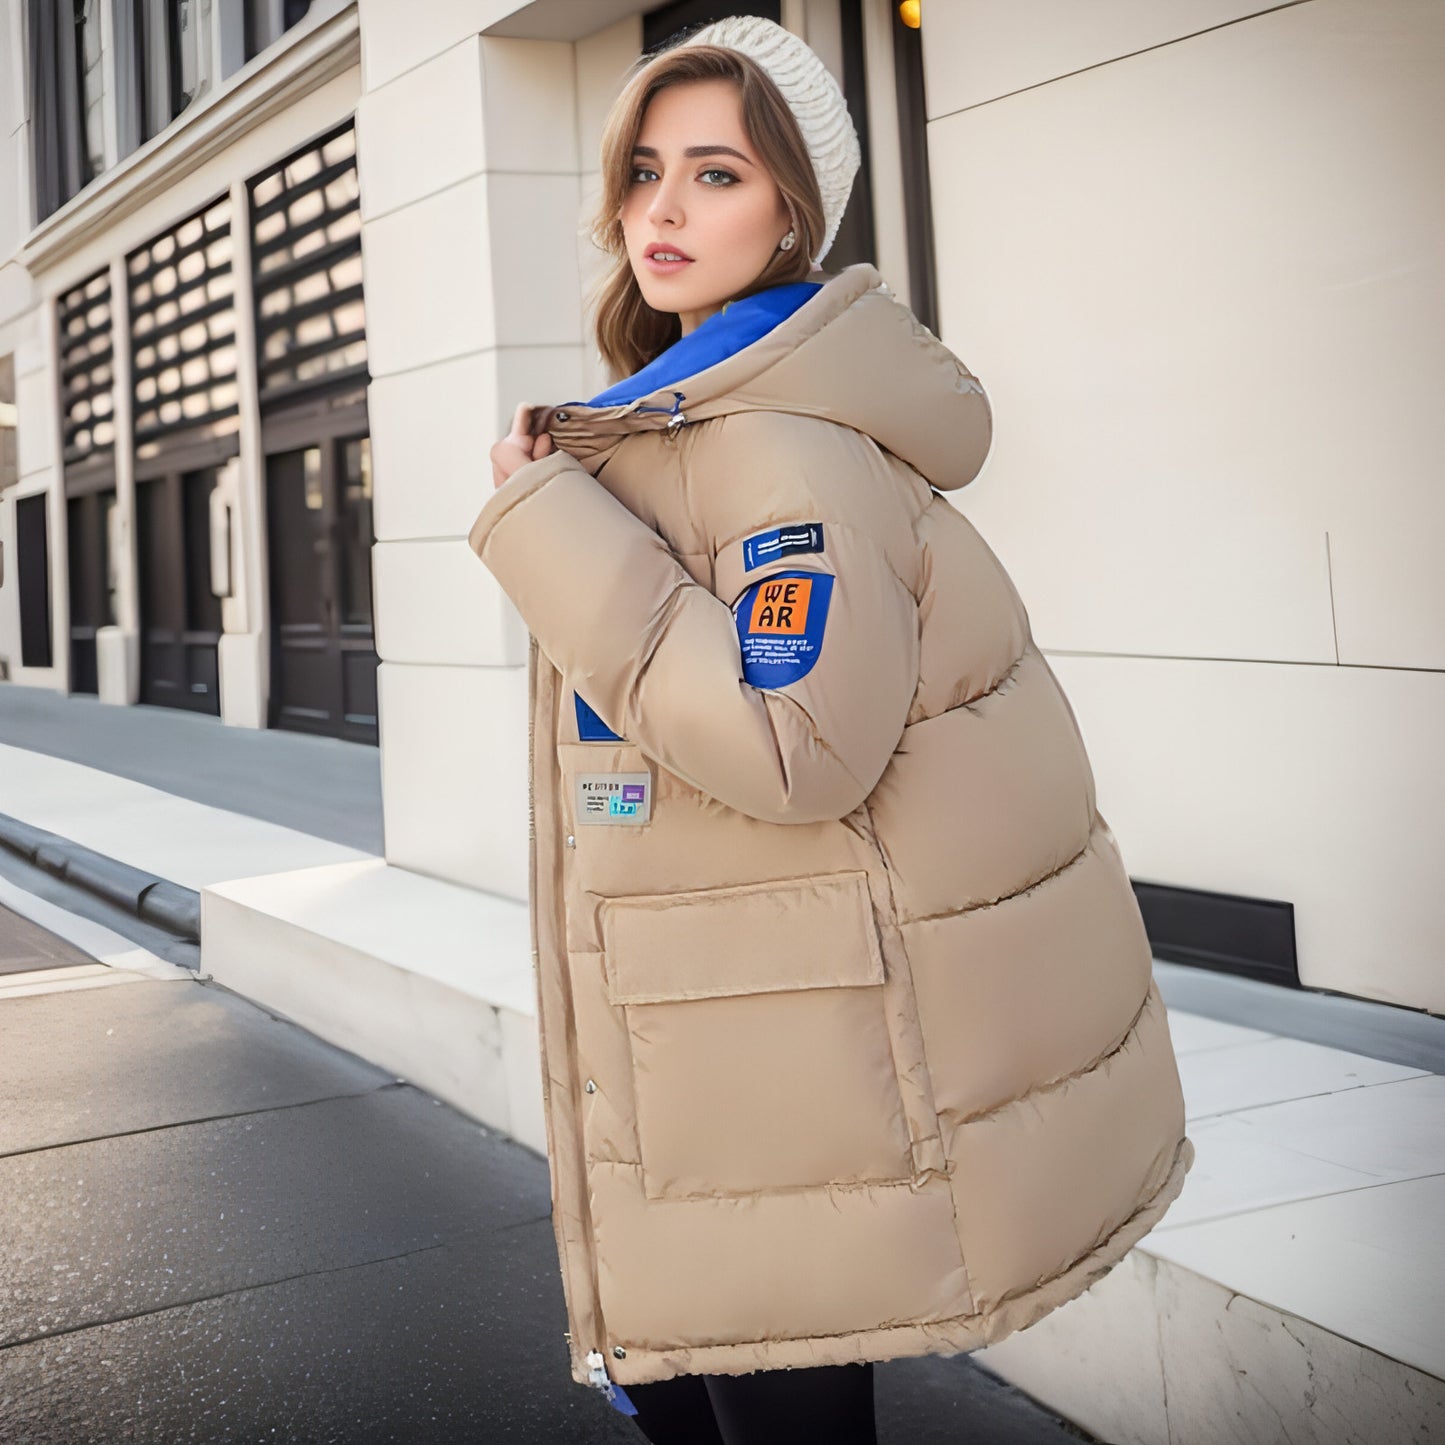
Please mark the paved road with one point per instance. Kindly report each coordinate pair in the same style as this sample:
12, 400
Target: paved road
322, 786
218, 1228
27, 948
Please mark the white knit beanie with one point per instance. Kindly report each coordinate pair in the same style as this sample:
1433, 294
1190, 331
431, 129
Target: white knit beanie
812, 95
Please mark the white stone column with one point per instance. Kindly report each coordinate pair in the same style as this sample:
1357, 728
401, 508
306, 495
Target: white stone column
468, 159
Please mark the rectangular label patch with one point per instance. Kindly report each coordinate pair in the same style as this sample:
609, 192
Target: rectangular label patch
782, 542
624, 798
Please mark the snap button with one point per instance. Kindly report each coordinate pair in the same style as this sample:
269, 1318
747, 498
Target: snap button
590, 1086
564, 416
571, 840
619, 1352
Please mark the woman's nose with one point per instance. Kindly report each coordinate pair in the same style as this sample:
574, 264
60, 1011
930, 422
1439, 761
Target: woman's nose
666, 203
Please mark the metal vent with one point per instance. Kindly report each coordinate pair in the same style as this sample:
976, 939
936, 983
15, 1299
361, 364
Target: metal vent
306, 257
87, 369
183, 323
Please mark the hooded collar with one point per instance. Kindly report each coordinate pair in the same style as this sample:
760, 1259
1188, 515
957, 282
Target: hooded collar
737, 325
846, 350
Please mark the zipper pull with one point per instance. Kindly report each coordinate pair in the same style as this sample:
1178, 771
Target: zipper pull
614, 1394
677, 420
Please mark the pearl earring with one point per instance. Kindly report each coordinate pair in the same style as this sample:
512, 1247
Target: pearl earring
786, 244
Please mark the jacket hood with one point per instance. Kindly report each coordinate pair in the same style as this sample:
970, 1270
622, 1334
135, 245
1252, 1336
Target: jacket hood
846, 350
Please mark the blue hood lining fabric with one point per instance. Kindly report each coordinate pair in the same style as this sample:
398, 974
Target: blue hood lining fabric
737, 325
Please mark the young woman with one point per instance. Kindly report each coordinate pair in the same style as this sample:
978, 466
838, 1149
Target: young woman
851, 1048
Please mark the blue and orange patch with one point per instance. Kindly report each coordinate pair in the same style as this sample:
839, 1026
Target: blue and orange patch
780, 622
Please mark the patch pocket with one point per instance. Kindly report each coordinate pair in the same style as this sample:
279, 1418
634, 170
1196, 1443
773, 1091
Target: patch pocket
759, 1037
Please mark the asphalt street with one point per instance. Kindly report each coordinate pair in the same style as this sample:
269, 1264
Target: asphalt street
217, 1227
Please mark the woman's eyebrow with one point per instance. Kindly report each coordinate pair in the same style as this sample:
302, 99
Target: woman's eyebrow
692, 152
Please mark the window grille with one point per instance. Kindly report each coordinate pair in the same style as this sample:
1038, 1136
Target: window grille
182, 315
306, 258
87, 372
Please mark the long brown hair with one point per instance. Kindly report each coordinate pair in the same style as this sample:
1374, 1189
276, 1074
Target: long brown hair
628, 331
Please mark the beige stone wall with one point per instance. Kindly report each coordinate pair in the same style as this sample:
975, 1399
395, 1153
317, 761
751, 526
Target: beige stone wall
1193, 256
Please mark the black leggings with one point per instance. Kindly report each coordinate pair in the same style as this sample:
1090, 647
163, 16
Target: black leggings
769, 1407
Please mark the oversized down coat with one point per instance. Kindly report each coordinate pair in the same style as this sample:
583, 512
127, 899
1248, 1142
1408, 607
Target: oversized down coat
850, 1044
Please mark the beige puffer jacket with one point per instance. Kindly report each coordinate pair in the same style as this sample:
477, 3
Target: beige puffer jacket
851, 1048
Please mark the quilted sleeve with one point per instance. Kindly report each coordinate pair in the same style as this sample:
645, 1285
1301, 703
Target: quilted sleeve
783, 691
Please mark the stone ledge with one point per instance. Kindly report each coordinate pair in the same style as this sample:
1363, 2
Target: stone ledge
1155, 1353
427, 979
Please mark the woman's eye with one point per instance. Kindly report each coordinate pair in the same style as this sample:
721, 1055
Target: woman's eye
727, 177
642, 173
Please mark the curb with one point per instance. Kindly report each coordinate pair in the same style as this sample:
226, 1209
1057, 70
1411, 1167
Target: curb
156, 900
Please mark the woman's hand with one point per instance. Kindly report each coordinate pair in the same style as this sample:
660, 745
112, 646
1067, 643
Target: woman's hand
518, 447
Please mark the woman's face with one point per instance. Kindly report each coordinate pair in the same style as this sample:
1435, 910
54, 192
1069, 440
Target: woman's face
699, 192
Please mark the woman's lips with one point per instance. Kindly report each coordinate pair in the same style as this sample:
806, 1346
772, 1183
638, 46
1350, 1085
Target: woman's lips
659, 266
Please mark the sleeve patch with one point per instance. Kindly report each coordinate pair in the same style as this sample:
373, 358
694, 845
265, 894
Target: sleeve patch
782, 542
780, 623
590, 727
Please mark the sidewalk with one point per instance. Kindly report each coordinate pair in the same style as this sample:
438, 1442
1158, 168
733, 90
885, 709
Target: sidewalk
1294, 1290
218, 1228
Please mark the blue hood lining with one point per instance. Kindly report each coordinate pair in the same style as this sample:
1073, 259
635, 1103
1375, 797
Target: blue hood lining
737, 325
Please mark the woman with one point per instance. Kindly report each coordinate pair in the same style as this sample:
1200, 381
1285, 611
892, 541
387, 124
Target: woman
851, 1047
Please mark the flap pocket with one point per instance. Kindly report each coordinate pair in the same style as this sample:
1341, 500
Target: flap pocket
755, 938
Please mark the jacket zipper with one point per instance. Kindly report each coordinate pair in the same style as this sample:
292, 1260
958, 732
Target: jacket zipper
613, 1393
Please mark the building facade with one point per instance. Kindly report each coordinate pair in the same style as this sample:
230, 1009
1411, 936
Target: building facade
274, 275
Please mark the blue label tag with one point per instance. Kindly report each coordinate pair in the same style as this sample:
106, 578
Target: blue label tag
590, 727
780, 623
782, 542
619, 1401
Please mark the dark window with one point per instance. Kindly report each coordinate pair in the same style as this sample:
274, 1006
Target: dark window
83, 323
180, 614
32, 544
90, 85
170, 50
855, 240
319, 540
86, 372
306, 262
917, 196
88, 573
268, 20
183, 323
203, 607
312, 378
357, 534
66, 85
154, 542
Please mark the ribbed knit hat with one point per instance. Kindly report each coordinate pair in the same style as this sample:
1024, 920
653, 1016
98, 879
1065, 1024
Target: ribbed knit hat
812, 95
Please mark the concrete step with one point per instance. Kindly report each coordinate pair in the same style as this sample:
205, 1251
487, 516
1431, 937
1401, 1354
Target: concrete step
1157, 1354
429, 980
1294, 1290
